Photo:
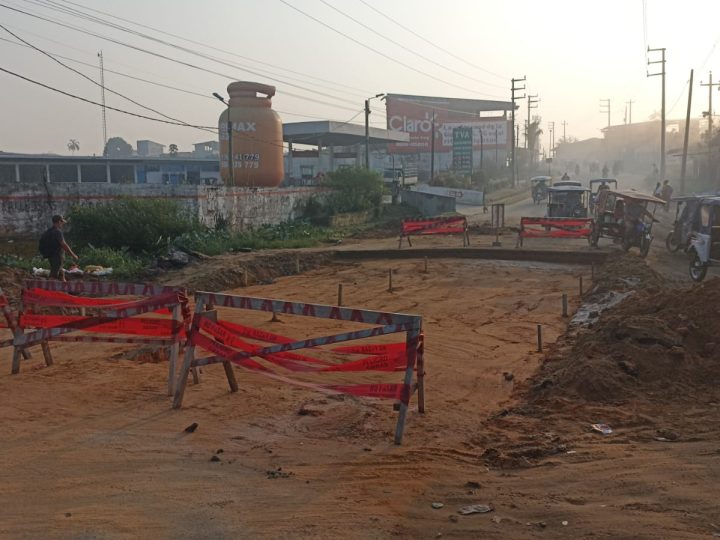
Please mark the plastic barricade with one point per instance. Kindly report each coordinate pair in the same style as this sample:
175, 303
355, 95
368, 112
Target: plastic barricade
441, 225
301, 362
540, 227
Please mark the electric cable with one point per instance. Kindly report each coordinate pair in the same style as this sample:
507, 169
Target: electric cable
432, 43
408, 49
366, 46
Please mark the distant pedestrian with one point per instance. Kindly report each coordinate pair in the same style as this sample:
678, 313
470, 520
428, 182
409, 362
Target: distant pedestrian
53, 247
565, 177
605, 171
666, 194
657, 192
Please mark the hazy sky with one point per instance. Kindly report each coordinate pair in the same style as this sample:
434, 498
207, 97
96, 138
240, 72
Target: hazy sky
573, 53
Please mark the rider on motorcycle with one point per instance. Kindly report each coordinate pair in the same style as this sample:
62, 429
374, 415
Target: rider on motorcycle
633, 214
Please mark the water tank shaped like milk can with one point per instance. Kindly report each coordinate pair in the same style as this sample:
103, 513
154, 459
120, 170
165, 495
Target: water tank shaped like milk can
257, 144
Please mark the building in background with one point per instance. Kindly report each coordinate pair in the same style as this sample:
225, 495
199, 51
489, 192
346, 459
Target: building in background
416, 116
206, 149
150, 149
40, 168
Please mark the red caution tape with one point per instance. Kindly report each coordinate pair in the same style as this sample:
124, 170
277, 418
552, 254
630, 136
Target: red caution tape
382, 362
141, 326
255, 333
285, 359
221, 350
449, 225
373, 348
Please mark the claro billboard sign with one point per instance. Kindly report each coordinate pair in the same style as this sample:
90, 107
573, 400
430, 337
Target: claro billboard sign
414, 115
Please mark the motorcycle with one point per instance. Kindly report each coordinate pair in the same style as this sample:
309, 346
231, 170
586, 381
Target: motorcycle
640, 237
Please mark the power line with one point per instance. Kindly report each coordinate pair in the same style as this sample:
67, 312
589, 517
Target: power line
181, 62
408, 49
155, 29
38, 83
49, 4
432, 43
156, 83
388, 57
105, 88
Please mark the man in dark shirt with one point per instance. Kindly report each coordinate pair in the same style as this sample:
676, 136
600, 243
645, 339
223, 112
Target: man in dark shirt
59, 248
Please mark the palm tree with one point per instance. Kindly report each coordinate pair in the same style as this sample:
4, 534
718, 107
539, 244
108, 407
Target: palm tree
533, 136
73, 145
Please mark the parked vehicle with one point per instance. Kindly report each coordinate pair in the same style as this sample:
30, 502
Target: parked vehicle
538, 187
567, 200
624, 216
600, 184
686, 221
704, 247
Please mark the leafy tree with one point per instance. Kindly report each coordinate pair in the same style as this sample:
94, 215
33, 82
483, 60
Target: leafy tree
73, 145
533, 137
117, 147
173, 148
354, 189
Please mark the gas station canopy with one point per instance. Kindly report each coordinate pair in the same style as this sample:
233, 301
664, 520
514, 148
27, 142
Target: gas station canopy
329, 133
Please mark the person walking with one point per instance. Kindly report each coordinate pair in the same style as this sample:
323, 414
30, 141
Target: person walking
657, 192
53, 247
666, 194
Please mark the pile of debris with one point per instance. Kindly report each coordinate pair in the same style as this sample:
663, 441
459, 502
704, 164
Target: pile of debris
659, 343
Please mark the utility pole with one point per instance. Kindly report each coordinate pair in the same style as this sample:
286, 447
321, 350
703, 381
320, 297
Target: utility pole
629, 104
367, 133
551, 129
532, 103
564, 125
102, 94
687, 133
513, 139
432, 148
605, 104
662, 119
710, 86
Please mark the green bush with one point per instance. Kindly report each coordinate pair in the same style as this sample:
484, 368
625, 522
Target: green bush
140, 225
123, 263
296, 234
354, 189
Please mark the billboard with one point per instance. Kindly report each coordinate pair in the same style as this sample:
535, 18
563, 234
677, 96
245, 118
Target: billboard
463, 149
414, 115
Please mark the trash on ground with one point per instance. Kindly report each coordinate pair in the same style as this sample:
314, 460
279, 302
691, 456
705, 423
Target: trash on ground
475, 509
602, 428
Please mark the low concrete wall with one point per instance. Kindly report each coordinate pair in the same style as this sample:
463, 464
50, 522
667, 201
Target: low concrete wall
26, 209
462, 196
429, 204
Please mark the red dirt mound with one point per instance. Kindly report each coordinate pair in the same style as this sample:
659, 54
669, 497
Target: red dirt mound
655, 345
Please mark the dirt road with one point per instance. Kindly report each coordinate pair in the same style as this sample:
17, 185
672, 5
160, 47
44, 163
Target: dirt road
91, 448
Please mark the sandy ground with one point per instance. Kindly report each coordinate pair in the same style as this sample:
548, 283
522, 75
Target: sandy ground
92, 449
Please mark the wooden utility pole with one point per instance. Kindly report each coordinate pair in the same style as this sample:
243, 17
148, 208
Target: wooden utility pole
531, 104
662, 118
564, 125
687, 134
605, 103
512, 136
629, 104
710, 86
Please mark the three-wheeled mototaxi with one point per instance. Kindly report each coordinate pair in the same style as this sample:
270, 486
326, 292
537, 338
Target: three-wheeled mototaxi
624, 216
600, 184
704, 246
538, 187
685, 222
567, 200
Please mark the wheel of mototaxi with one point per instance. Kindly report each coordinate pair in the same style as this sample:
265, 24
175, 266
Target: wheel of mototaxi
671, 242
644, 246
626, 243
697, 269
